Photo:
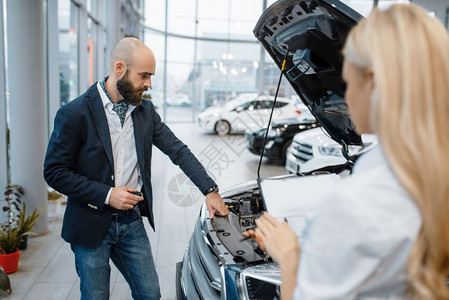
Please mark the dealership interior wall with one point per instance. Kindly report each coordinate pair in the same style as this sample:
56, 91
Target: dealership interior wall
52, 50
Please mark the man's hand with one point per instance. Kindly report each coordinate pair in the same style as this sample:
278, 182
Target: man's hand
121, 198
215, 202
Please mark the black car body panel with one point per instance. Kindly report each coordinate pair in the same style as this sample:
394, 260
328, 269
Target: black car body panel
283, 133
310, 36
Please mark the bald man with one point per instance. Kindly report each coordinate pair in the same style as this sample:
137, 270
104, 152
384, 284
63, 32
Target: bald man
99, 155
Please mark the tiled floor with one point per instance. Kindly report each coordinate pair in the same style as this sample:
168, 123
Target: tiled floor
46, 267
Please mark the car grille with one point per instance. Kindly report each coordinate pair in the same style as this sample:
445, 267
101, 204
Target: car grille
203, 268
258, 289
303, 152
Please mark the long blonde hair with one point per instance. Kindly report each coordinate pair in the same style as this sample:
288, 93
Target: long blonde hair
409, 53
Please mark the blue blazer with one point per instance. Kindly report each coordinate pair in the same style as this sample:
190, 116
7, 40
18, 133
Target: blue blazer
79, 163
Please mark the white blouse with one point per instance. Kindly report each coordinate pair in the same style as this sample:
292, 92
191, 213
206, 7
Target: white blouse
356, 246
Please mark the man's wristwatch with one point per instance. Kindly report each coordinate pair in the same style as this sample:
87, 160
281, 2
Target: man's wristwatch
213, 189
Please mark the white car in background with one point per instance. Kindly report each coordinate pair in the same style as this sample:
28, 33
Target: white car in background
178, 100
245, 112
313, 149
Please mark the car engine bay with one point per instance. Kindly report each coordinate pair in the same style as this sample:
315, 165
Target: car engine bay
244, 209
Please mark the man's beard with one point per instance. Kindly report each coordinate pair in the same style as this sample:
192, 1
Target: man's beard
131, 95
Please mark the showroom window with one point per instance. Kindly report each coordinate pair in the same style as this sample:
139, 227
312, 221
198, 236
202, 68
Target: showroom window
95, 42
206, 55
68, 50
91, 47
81, 45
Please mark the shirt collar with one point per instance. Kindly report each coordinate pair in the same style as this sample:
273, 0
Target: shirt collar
106, 98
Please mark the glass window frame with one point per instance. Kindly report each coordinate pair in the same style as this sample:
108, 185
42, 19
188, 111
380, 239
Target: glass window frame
202, 95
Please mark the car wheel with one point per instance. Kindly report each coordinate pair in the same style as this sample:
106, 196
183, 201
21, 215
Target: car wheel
222, 127
284, 151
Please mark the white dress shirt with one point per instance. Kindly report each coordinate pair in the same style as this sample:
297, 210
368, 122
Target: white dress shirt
357, 245
126, 168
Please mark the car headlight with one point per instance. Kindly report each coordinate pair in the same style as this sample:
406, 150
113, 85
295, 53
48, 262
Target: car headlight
260, 282
337, 150
330, 150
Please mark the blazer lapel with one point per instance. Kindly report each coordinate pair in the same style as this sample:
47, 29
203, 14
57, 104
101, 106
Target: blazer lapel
138, 137
101, 123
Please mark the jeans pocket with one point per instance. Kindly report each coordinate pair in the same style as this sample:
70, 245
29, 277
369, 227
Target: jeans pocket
136, 212
130, 218
136, 226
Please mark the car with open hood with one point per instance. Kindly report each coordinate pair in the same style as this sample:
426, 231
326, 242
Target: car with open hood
309, 36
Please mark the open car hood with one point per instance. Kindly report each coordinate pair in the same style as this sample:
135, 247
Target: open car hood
310, 34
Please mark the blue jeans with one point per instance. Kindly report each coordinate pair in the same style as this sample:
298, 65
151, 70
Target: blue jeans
127, 244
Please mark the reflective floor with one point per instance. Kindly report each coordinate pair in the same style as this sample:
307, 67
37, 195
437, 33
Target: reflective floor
46, 267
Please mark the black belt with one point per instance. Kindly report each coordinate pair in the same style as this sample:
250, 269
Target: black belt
122, 212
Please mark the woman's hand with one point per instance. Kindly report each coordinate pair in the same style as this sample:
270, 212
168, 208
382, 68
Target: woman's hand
251, 233
281, 243
278, 239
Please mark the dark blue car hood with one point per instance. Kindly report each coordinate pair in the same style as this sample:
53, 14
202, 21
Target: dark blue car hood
310, 35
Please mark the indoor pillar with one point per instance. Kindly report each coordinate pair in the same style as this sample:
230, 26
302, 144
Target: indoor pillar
28, 109
3, 128
113, 21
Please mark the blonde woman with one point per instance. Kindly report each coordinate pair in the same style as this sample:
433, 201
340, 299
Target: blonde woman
384, 234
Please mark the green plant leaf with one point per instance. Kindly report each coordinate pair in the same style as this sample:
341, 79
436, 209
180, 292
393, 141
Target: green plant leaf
18, 224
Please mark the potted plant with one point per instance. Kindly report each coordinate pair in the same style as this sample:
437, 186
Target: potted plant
26, 225
54, 195
17, 227
54, 204
9, 253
